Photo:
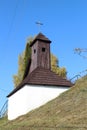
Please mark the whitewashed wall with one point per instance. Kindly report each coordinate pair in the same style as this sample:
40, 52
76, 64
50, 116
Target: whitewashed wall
29, 98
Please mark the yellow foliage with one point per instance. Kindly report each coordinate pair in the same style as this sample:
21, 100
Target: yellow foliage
55, 67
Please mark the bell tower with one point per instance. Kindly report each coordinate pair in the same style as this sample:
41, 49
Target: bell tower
40, 56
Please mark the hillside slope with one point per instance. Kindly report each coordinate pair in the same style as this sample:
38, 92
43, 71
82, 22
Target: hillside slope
66, 112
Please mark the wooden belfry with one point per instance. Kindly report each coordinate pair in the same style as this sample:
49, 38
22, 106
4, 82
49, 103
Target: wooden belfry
40, 52
39, 71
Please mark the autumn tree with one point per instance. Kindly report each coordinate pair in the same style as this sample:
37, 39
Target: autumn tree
17, 78
55, 67
23, 61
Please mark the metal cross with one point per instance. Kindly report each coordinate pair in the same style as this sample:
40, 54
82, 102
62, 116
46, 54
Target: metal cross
39, 24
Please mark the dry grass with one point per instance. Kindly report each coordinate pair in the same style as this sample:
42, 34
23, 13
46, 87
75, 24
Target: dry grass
66, 112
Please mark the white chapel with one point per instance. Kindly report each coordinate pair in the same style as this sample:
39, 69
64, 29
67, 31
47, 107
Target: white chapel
40, 84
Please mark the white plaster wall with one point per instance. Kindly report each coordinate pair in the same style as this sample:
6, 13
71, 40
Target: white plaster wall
29, 98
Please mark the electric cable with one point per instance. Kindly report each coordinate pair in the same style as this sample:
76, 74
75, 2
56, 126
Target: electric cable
13, 19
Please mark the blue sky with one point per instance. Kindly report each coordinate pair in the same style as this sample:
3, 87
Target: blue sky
65, 24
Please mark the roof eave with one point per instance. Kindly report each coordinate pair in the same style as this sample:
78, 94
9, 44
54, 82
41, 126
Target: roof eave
21, 86
46, 41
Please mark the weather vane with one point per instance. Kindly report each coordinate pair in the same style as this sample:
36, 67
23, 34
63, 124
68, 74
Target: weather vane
39, 25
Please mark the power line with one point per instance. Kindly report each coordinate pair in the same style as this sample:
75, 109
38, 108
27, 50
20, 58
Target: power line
13, 19
3, 90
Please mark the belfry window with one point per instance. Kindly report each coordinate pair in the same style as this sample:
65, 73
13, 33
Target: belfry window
34, 51
43, 49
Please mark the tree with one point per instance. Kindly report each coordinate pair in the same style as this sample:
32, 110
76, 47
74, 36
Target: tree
27, 55
55, 67
17, 78
80, 51
23, 61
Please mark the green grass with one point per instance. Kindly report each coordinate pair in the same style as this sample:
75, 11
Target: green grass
66, 112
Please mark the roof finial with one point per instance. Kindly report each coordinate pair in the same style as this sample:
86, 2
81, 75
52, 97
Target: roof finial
39, 25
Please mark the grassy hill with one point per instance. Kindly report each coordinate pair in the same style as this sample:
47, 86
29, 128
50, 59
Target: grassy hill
66, 112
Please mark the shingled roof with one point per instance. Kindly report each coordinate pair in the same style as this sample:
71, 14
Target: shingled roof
40, 37
41, 76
